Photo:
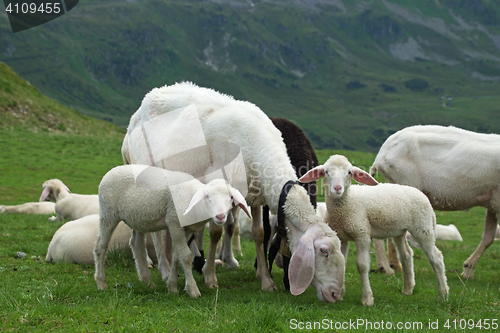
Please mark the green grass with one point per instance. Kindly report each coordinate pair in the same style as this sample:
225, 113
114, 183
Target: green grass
38, 296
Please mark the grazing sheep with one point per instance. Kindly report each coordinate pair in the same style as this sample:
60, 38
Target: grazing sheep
456, 169
303, 158
42, 208
69, 206
149, 199
74, 241
358, 213
214, 121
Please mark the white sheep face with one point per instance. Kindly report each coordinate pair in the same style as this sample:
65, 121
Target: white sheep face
330, 269
317, 260
218, 198
338, 172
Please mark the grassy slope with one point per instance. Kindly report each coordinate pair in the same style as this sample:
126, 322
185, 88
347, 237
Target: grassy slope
105, 55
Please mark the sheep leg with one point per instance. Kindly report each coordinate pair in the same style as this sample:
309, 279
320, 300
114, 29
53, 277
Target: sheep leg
168, 244
106, 229
344, 248
174, 274
138, 245
209, 267
163, 264
393, 256
184, 255
227, 256
382, 262
236, 233
406, 255
199, 260
258, 236
363, 264
490, 227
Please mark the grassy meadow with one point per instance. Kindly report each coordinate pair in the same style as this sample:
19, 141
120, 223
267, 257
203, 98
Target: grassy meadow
38, 296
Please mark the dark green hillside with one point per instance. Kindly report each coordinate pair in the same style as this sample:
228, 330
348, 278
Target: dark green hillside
349, 73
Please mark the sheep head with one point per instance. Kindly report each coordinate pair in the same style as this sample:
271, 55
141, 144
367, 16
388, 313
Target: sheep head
338, 172
218, 198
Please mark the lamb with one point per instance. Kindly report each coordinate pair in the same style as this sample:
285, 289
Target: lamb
74, 241
443, 163
149, 199
358, 213
69, 206
42, 208
215, 121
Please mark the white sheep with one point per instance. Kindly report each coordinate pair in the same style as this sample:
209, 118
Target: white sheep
42, 208
456, 169
149, 199
157, 135
358, 213
74, 241
69, 206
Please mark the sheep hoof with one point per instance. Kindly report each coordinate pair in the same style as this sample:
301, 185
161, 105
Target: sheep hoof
172, 289
193, 292
211, 281
387, 271
368, 301
407, 292
269, 286
102, 285
397, 267
468, 272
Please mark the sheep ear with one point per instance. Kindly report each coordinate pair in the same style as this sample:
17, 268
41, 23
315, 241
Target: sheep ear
45, 193
363, 177
197, 197
301, 269
240, 201
313, 174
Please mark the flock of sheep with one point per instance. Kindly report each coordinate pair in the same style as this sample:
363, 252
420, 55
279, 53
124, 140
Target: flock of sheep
195, 157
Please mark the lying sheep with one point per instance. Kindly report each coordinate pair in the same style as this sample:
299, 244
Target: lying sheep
69, 206
74, 241
42, 208
455, 168
149, 199
443, 232
358, 213
156, 136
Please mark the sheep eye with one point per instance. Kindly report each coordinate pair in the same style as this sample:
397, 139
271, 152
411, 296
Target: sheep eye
324, 252
350, 172
231, 197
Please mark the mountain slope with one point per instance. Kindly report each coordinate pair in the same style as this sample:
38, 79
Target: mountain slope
348, 72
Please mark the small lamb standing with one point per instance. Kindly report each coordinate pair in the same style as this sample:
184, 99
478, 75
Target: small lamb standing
358, 213
149, 199
69, 206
